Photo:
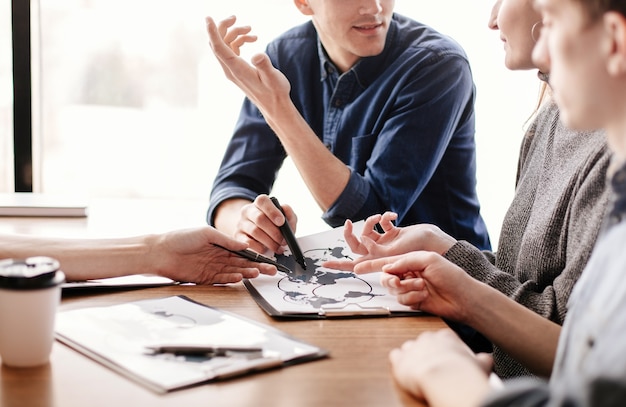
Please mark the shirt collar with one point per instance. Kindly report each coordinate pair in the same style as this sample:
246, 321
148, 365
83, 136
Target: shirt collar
326, 65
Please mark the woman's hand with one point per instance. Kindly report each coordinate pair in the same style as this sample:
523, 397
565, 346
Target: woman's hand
440, 369
393, 241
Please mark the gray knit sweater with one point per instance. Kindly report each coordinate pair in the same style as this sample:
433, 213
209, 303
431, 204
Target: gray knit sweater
551, 226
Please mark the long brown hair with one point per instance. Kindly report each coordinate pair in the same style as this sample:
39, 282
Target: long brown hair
543, 96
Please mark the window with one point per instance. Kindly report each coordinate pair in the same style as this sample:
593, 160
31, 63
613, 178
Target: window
6, 99
130, 101
133, 103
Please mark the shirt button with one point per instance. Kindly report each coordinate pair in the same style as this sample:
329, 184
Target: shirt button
338, 103
328, 146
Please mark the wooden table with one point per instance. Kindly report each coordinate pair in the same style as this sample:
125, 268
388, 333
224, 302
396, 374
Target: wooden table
356, 373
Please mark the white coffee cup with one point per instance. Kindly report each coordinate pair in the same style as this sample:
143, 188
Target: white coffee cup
30, 292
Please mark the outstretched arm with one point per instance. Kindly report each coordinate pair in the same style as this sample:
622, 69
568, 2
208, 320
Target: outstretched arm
427, 281
184, 255
323, 173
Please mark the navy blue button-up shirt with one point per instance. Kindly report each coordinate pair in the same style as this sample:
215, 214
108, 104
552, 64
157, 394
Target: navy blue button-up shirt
402, 121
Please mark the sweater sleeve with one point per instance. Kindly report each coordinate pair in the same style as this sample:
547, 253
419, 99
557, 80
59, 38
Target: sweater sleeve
580, 230
478, 264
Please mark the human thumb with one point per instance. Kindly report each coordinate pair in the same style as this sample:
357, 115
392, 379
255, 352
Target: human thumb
260, 61
485, 361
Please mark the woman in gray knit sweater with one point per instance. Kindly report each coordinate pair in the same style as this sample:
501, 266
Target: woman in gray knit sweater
547, 234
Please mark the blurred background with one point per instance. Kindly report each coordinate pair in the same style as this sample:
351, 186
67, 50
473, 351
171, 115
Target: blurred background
129, 101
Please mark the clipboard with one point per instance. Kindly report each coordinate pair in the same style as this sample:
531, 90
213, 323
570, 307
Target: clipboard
317, 292
122, 337
339, 310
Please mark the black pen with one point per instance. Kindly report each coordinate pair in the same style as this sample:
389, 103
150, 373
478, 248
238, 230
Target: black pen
285, 229
202, 350
256, 257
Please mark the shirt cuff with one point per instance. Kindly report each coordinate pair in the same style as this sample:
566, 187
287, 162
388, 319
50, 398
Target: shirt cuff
349, 202
224, 194
474, 261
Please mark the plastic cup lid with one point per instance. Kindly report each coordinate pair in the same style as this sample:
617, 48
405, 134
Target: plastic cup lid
30, 273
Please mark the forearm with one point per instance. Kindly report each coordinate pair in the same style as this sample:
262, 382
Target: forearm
523, 334
323, 173
547, 297
470, 387
82, 259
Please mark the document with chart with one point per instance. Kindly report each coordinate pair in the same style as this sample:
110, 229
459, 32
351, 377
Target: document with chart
319, 292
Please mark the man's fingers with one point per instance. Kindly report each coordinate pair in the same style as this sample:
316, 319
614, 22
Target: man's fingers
219, 46
269, 76
216, 40
264, 204
237, 43
224, 25
262, 63
232, 34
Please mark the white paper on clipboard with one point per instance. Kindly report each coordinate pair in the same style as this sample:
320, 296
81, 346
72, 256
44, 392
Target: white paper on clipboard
320, 292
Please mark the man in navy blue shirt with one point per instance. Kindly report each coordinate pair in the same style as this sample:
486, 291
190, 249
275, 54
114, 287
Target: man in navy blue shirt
375, 110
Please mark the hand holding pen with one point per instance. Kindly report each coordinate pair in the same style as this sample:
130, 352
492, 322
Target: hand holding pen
289, 236
257, 223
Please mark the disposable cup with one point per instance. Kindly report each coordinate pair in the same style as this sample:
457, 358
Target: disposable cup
30, 292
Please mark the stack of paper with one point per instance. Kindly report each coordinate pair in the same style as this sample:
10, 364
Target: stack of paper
36, 204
